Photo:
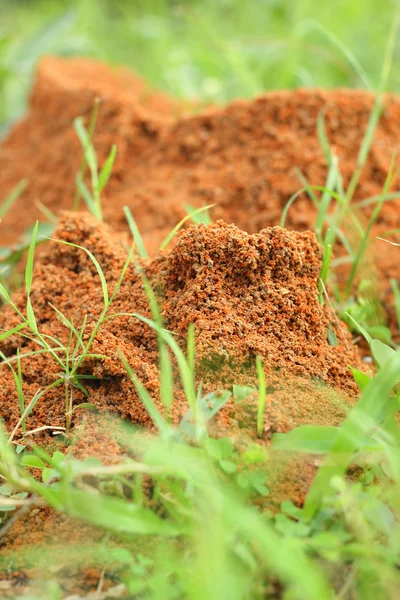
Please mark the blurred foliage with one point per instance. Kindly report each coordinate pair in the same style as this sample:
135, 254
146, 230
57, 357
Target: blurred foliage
209, 49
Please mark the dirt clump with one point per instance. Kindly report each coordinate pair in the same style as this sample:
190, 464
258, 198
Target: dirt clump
247, 295
247, 158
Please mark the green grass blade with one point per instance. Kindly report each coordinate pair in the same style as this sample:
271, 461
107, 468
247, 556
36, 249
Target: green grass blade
375, 113
353, 61
197, 218
306, 185
85, 193
191, 347
135, 233
326, 262
96, 263
82, 168
145, 397
396, 293
184, 367
367, 413
323, 138
7, 298
12, 197
107, 168
110, 513
363, 244
326, 197
86, 143
29, 263
177, 227
262, 394
360, 328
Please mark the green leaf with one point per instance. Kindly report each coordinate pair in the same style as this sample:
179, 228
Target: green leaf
228, 466
360, 328
135, 233
361, 379
177, 227
107, 168
29, 262
49, 474
257, 481
87, 405
112, 514
241, 392
381, 352
381, 517
376, 404
291, 528
313, 439
57, 458
219, 448
6, 489
209, 406
255, 453
86, 142
292, 510
12, 197
30, 460
7, 334
30, 315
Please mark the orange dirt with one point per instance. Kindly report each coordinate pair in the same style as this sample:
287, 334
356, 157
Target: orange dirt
248, 294
245, 157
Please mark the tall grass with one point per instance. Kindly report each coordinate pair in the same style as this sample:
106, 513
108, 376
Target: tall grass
205, 49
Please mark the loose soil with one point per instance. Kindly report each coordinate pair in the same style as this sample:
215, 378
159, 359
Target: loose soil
247, 294
244, 157
250, 287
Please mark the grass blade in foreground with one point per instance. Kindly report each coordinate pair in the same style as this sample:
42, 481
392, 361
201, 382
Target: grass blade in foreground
368, 412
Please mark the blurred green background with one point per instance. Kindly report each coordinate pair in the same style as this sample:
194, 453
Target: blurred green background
214, 50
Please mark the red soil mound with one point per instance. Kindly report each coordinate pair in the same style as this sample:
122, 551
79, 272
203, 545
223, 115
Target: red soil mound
245, 157
246, 294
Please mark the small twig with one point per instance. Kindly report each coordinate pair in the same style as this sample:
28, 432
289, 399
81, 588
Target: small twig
101, 582
43, 428
22, 511
20, 420
347, 584
387, 241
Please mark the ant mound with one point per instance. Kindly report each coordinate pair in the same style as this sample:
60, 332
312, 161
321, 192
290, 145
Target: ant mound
247, 295
248, 158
